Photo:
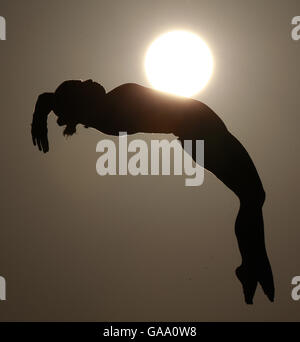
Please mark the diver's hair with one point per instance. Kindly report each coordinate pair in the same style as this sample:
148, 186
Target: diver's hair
69, 130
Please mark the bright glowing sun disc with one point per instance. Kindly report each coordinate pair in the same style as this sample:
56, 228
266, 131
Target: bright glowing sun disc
179, 62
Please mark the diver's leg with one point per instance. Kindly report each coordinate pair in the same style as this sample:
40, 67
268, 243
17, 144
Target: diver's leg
249, 229
225, 156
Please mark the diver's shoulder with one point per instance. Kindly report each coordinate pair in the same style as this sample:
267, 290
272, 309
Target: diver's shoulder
127, 87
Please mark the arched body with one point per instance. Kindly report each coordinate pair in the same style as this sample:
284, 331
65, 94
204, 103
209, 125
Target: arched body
133, 109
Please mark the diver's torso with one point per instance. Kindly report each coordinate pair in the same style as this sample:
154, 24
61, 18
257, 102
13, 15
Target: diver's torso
134, 108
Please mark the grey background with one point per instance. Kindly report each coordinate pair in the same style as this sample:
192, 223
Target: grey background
77, 246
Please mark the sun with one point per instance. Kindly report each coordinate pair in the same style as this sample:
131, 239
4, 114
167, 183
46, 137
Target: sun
179, 62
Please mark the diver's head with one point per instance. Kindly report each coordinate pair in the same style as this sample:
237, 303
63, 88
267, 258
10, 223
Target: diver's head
75, 100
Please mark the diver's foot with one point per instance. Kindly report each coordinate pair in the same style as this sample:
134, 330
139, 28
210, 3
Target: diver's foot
265, 278
248, 281
249, 276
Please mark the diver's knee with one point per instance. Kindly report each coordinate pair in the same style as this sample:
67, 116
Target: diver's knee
262, 196
253, 198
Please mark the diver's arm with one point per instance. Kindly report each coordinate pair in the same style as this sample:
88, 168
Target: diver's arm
39, 130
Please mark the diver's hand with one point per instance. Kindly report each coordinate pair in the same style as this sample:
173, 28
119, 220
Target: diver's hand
250, 275
39, 132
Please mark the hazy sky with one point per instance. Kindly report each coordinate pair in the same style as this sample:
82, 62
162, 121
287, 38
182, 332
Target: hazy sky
77, 246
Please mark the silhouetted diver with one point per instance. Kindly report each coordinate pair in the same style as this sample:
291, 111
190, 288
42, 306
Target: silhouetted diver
133, 109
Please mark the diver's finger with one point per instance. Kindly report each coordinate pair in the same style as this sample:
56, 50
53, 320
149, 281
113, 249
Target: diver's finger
33, 139
33, 136
45, 144
39, 143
